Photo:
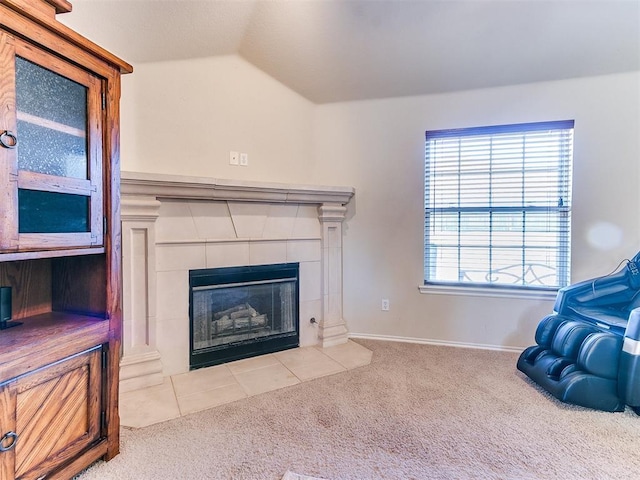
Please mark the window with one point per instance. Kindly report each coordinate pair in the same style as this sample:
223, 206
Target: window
497, 206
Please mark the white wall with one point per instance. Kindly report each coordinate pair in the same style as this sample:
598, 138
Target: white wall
183, 117
378, 147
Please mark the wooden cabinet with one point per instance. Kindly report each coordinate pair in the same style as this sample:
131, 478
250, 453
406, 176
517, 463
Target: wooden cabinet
60, 247
57, 411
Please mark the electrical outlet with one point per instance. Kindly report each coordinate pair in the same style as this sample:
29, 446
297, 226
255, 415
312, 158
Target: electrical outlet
385, 304
244, 159
234, 158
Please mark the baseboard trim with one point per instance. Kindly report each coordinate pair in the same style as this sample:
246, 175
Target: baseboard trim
428, 341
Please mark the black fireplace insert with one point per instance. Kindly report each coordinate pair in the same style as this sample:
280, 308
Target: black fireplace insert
241, 312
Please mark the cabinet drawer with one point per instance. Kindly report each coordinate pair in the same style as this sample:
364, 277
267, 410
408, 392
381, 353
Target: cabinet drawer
55, 412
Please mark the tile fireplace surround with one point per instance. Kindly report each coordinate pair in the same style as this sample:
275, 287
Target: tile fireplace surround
172, 224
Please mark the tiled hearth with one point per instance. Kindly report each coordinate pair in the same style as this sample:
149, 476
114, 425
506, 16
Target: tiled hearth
173, 224
209, 387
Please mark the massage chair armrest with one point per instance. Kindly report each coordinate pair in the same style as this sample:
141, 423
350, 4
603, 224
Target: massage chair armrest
568, 293
601, 291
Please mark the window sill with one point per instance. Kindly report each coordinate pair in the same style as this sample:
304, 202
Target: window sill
487, 292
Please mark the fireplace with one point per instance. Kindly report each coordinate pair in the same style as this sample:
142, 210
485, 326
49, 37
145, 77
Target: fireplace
174, 224
240, 312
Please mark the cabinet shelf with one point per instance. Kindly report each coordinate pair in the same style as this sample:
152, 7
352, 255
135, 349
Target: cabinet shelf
36, 254
45, 338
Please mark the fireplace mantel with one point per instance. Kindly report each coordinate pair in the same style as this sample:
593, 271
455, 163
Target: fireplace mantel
174, 223
204, 188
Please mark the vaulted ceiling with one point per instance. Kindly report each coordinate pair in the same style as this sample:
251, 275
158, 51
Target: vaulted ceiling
342, 50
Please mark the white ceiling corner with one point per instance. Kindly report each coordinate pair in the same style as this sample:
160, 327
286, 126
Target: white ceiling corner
342, 50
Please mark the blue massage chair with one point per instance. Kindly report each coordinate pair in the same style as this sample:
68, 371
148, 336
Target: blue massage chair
588, 349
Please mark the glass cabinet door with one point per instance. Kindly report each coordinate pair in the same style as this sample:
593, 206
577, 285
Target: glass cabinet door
54, 150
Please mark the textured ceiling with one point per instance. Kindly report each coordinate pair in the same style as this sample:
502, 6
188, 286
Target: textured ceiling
341, 50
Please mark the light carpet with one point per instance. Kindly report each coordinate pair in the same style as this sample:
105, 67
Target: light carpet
416, 412
296, 476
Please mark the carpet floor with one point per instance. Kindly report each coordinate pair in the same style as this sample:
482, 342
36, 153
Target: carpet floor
416, 412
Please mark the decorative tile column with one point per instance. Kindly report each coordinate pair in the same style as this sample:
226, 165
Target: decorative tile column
140, 365
333, 328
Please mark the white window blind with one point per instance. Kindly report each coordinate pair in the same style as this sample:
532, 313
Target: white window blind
497, 205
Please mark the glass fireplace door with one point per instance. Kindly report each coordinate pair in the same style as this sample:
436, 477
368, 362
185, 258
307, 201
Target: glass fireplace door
237, 314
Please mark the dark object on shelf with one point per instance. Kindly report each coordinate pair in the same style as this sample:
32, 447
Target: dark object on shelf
588, 350
5, 309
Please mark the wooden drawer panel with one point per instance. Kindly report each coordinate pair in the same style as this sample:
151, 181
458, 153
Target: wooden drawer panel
57, 413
